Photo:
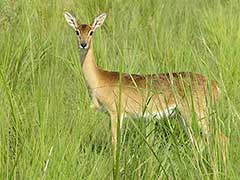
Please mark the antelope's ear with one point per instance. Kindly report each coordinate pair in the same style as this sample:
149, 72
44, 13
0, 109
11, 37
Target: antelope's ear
71, 20
98, 21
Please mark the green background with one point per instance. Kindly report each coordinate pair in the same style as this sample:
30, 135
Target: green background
47, 128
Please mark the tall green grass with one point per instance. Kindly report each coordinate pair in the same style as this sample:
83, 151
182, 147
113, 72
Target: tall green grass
48, 130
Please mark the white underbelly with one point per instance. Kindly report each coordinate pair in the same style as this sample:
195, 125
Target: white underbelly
158, 115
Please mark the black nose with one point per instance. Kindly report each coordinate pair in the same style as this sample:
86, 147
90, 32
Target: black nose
83, 44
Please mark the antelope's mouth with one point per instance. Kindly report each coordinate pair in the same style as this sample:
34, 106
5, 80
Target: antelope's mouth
83, 45
86, 47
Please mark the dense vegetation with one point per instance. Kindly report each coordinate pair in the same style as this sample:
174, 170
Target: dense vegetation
47, 128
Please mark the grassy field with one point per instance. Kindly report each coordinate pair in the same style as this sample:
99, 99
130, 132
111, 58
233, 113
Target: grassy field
47, 128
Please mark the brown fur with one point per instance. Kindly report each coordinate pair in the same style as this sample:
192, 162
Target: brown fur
151, 93
163, 90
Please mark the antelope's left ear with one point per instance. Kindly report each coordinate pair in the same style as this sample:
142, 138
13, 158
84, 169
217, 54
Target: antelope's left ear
98, 21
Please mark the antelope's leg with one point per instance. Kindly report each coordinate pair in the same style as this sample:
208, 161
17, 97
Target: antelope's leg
221, 138
94, 103
187, 118
188, 130
114, 133
114, 119
223, 142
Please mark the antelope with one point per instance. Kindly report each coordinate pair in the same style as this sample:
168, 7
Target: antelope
153, 95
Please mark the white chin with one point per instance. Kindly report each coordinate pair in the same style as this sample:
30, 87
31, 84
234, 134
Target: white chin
83, 47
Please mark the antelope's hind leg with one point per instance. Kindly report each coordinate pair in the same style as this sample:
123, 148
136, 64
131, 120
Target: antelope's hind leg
200, 113
189, 116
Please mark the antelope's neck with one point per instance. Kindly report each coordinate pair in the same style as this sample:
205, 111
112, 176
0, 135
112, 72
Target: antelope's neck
89, 68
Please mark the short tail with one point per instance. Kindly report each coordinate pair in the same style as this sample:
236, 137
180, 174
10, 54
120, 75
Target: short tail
216, 90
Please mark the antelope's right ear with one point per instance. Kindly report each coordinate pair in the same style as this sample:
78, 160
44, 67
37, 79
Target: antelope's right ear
71, 20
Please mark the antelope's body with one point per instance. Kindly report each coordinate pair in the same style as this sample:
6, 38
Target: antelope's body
149, 94
155, 95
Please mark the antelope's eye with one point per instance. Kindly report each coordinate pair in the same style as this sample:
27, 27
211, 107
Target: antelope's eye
77, 32
91, 33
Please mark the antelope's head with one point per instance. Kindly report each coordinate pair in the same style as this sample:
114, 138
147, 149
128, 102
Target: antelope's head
84, 32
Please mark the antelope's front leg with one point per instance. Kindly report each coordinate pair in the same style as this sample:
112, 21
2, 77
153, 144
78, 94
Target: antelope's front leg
95, 104
114, 120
